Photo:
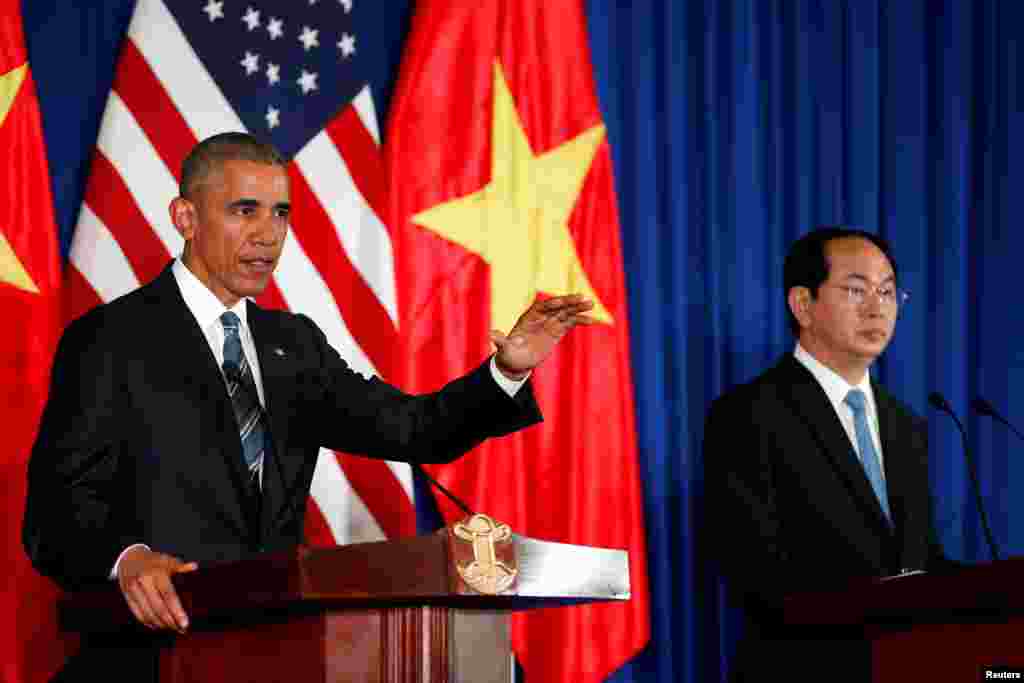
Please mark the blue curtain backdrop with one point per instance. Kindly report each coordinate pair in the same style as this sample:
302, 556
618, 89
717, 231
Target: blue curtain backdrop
737, 125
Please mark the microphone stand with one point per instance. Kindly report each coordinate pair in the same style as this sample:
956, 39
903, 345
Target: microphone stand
939, 402
436, 484
983, 407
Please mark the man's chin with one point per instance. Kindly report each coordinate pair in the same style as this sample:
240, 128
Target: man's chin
252, 287
869, 351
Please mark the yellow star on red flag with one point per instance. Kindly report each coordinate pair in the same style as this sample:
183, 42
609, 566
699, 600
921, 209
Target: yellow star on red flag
519, 222
11, 269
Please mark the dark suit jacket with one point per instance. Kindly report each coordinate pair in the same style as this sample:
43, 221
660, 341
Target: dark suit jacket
138, 442
790, 508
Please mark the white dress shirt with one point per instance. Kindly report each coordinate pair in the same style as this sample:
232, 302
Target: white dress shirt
836, 388
207, 309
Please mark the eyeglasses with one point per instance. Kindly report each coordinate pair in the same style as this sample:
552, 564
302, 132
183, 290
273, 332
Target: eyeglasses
887, 295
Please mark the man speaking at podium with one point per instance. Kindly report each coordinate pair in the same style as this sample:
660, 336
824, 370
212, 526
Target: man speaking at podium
815, 473
184, 422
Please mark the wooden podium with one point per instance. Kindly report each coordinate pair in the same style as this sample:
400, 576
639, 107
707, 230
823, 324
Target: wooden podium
928, 627
394, 611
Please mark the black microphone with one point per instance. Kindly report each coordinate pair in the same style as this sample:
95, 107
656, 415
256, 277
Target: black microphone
938, 401
983, 407
436, 484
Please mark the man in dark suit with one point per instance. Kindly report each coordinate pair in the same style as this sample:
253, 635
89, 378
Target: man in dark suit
184, 421
815, 474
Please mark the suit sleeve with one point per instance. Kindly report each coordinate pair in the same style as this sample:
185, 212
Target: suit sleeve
373, 418
743, 518
936, 558
70, 529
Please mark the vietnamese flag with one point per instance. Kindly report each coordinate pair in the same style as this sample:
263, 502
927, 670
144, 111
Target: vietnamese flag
29, 304
501, 191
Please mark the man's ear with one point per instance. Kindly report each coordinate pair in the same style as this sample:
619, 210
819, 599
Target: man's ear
183, 215
799, 301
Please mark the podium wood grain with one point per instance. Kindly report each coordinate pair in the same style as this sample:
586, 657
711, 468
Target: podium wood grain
388, 612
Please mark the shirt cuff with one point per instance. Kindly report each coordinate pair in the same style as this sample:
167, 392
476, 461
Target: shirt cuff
509, 386
113, 572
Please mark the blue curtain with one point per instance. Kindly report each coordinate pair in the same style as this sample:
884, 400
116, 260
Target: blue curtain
737, 125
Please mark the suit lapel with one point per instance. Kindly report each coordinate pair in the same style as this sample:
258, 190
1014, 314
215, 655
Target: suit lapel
893, 433
202, 377
810, 402
274, 360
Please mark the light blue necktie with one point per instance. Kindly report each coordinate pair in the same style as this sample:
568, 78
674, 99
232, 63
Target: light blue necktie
244, 399
866, 448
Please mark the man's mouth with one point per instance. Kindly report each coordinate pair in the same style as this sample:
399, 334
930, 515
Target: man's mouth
874, 335
259, 264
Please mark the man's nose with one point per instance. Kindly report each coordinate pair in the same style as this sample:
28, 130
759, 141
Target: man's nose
270, 231
873, 304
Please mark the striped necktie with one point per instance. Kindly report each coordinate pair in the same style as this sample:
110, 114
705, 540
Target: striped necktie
244, 400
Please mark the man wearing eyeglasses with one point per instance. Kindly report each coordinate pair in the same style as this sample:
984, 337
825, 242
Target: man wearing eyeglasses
815, 474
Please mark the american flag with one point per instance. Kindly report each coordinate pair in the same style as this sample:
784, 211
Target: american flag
295, 74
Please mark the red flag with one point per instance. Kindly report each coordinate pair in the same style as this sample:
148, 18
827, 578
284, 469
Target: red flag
501, 191
29, 288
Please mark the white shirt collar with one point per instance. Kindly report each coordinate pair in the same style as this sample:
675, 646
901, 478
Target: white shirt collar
836, 388
203, 303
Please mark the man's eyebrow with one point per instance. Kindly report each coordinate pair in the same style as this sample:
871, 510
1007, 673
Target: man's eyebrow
864, 278
252, 203
244, 202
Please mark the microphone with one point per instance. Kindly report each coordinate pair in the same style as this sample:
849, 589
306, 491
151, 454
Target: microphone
939, 402
983, 407
448, 494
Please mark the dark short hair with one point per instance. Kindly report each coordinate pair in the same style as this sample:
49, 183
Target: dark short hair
807, 263
206, 156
